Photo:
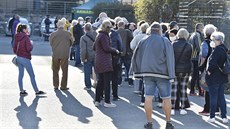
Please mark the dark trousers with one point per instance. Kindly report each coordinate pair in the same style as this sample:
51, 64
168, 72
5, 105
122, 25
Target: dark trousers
207, 103
47, 33
77, 55
72, 52
103, 85
115, 78
195, 77
127, 62
12, 41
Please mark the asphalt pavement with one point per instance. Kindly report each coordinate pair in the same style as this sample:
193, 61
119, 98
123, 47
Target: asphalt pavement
74, 109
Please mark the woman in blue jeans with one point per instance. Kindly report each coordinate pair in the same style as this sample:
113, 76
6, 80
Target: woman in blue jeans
215, 77
22, 48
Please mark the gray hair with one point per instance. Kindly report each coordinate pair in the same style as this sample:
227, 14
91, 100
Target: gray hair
183, 33
156, 27
144, 27
88, 26
218, 36
209, 29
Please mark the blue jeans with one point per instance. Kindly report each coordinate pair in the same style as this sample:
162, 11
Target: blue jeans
77, 55
22, 64
127, 62
216, 94
87, 72
153, 83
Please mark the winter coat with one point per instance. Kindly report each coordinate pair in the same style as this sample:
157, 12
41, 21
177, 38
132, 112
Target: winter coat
196, 40
136, 40
24, 45
153, 57
86, 46
184, 64
103, 53
126, 36
215, 63
77, 33
60, 42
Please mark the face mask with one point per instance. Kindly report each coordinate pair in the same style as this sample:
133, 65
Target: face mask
172, 38
212, 44
81, 23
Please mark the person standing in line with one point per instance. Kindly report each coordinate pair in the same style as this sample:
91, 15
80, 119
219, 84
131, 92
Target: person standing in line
22, 48
103, 63
138, 83
216, 78
153, 59
126, 36
87, 53
72, 49
183, 67
196, 40
77, 33
172, 26
205, 52
60, 41
14, 27
116, 43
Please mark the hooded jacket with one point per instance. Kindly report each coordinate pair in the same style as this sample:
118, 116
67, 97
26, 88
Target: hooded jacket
216, 62
24, 45
154, 57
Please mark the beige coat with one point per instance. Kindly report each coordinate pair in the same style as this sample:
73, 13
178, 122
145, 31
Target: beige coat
60, 42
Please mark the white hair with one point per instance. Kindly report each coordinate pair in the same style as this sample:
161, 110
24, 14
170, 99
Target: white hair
218, 36
209, 29
144, 27
61, 23
183, 33
74, 22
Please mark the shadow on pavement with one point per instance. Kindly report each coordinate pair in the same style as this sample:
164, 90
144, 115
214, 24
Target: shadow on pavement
125, 115
27, 115
71, 106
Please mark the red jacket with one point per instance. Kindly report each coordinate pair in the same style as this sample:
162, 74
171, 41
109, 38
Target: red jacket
25, 47
103, 53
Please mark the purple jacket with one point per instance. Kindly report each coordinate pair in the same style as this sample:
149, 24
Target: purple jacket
103, 53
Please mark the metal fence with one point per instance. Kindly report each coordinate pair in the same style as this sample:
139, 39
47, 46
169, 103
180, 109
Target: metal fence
36, 10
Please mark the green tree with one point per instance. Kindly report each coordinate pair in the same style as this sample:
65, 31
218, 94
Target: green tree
156, 10
115, 9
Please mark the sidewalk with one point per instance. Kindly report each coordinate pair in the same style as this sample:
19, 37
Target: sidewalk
74, 109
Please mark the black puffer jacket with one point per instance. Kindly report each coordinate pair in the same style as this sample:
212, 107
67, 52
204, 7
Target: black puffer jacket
184, 64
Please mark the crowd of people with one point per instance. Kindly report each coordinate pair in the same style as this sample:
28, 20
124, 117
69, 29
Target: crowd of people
158, 59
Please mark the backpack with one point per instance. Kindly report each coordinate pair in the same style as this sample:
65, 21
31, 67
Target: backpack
226, 68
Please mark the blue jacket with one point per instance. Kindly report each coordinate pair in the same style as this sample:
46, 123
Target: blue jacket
216, 61
116, 40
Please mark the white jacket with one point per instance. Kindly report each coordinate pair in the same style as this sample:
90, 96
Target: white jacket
136, 40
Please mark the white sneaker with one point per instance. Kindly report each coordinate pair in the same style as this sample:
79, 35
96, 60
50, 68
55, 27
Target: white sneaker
142, 104
172, 112
225, 120
159, 105
108, 105
97, 104
211, 120
183, 112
